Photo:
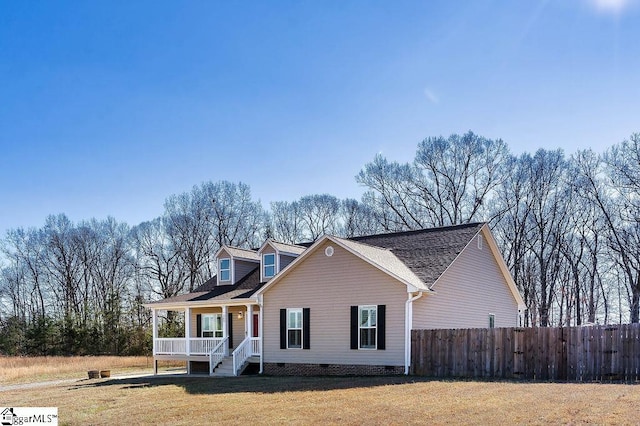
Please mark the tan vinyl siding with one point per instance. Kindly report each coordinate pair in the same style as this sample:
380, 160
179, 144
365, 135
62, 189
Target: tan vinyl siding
237, 324
242, 268
471, 289
285, 260
329, 286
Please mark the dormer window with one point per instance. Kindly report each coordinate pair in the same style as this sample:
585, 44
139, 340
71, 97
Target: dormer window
269, 265
224, 270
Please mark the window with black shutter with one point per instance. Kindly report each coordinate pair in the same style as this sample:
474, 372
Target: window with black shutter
368, 327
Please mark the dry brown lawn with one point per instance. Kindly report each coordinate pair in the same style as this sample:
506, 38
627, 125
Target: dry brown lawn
44, 368
378, 400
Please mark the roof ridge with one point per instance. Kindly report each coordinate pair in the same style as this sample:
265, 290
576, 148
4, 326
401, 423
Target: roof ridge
418, 231
238, 248
351, 240
286, 244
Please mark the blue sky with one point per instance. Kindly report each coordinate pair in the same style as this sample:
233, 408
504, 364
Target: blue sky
108, 107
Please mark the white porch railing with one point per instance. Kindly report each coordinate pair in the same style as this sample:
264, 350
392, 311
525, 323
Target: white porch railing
217, 354
183, 346
203, 345
170, 346
249, 347
255, 346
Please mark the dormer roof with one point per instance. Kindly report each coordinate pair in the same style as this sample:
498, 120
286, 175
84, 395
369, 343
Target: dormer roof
283, 248
240, 253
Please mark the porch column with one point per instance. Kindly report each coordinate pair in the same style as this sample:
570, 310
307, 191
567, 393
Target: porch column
225, 328
187, 330
154, 325
249, 327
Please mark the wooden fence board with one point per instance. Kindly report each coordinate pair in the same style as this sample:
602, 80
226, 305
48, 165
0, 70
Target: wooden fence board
603, 353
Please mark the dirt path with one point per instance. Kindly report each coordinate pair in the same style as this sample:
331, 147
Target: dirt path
20, 386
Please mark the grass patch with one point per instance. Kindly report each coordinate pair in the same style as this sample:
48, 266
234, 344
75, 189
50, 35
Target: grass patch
350, 400
45, 368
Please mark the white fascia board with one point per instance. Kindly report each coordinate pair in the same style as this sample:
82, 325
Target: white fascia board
219, 251
199, 304
264, 245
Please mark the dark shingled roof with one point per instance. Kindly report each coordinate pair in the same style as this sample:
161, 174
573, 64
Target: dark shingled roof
426, 252
244, 288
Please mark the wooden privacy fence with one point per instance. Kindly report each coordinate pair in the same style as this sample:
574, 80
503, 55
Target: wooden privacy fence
602, 353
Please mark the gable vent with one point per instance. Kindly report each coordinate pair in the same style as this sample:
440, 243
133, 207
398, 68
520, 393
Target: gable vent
328, 251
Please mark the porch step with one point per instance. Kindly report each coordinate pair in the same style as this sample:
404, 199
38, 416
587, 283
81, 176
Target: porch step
225, 368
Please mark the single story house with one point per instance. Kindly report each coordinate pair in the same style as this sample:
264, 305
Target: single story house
340, 305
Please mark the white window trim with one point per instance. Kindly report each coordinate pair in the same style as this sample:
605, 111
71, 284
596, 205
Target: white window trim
214, 322
301, 327
492, 317
264, 265
220, 269
360, 309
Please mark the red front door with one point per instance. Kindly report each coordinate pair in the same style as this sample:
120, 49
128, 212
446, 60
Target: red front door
255, 325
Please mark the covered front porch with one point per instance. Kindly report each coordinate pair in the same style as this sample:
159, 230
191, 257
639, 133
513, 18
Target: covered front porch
227, 337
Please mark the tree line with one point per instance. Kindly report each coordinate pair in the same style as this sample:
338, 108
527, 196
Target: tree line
567, 226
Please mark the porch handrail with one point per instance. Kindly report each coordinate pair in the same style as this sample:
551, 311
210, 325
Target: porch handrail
169, 345
241, 354
216, 355
203, 345
255, 346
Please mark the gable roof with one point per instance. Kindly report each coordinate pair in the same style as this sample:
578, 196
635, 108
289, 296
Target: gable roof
240, 253
382, 259
287, 248
427, 252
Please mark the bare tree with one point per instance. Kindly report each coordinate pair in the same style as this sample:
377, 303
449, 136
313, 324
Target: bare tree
236, 219
158, 260
286, 220
188, 220
320, 214
358, 219
451, 181
457, 176
610, 186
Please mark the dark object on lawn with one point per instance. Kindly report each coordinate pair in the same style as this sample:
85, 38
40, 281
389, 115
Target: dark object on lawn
94, 374
105, 373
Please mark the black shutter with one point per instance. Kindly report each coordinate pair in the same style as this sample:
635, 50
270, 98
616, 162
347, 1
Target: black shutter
354, 327
283, 329
198, 325
381, 327
306, 338
230, 329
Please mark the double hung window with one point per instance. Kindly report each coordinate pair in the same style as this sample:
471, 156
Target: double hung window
269, 262
212, 325
367, 326
224, 270
294, 328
